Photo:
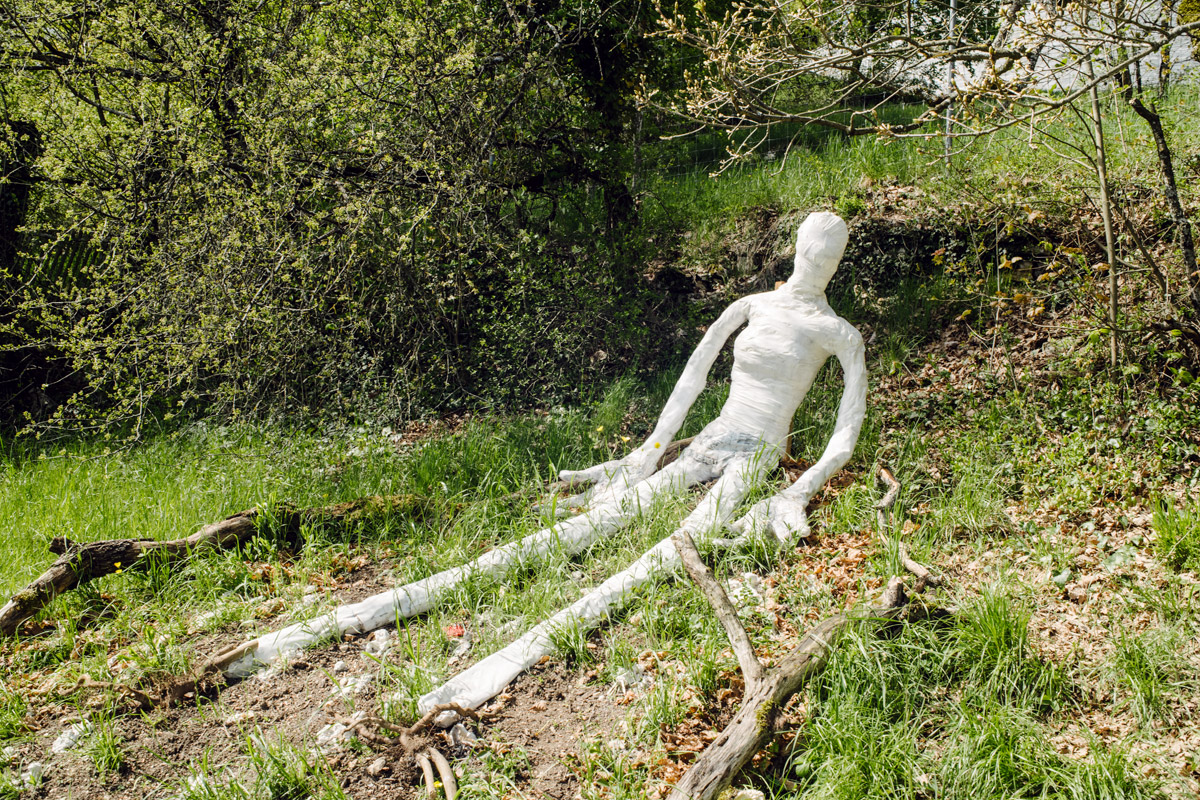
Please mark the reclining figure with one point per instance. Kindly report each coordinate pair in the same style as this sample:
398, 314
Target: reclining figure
790, 333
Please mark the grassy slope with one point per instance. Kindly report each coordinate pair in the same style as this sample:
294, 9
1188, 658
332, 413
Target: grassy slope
1027, 473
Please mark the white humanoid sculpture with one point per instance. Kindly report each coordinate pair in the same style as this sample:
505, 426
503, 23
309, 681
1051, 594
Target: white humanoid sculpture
790, 333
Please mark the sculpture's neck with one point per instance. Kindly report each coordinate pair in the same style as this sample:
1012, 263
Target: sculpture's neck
809, 279
802, 289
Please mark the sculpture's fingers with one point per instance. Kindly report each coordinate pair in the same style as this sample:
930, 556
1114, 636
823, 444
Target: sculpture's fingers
576, 500
751, 522
789, 529
581, 476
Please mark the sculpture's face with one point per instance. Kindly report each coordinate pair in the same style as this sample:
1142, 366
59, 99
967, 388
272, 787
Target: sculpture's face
820, 243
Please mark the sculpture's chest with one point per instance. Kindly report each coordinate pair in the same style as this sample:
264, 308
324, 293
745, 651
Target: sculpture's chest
781, 344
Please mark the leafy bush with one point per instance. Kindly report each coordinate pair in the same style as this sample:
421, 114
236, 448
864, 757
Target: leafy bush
414, 205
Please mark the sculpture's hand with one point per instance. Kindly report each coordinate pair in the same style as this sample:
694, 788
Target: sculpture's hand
781, 515
614, 476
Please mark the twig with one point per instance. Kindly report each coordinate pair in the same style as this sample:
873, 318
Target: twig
883, 509
144, 701
752, 671
174, 692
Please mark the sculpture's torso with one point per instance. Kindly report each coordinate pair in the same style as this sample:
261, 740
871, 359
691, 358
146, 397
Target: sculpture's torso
775, 360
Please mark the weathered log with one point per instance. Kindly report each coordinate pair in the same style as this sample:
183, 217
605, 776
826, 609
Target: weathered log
79, 563
767, 691
753, 726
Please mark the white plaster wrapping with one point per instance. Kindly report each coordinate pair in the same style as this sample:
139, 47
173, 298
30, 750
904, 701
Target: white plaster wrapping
789, 334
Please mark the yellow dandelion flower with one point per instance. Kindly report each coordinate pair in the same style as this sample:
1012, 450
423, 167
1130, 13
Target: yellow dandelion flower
599, 429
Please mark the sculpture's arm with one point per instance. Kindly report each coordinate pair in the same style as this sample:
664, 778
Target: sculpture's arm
640, 463
784, 514
695, 374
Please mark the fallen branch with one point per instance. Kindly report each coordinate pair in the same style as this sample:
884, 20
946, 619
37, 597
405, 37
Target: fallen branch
883, 511
767, 691
753, 726
752, 671
79, 563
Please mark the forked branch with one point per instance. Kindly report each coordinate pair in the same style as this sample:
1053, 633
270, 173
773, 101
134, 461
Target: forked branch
739, 640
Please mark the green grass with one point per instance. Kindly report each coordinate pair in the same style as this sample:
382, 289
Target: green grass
1178, 533
103, 748
1150, 672
831, 170
956, 707
951, 708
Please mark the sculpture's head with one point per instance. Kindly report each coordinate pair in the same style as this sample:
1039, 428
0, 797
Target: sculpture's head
820, 243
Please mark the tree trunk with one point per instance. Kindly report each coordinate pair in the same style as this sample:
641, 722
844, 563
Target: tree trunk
1171, 190
1110, 245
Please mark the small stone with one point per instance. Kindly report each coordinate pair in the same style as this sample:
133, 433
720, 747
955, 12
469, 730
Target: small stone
351, 686
378, 767
234, 720
629, 678
331, 735
378, 643
340, 666
463, 646
10, 753
747, 794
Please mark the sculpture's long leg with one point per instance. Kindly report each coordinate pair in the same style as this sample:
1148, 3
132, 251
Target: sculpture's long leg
486, 678
570, 536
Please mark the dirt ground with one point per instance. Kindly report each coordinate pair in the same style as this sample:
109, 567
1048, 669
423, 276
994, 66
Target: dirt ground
543, 714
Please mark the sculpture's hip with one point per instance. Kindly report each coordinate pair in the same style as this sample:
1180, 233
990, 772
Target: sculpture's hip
715, 448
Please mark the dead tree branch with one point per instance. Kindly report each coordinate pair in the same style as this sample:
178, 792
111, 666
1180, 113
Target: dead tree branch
883, 512
753, 726
752, 671
883, 509
79, 563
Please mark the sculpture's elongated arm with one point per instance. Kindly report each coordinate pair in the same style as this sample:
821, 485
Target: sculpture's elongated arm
695, 375
851, 412
639, 464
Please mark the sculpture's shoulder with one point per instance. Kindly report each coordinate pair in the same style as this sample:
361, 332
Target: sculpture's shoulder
845, 336
851, 333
